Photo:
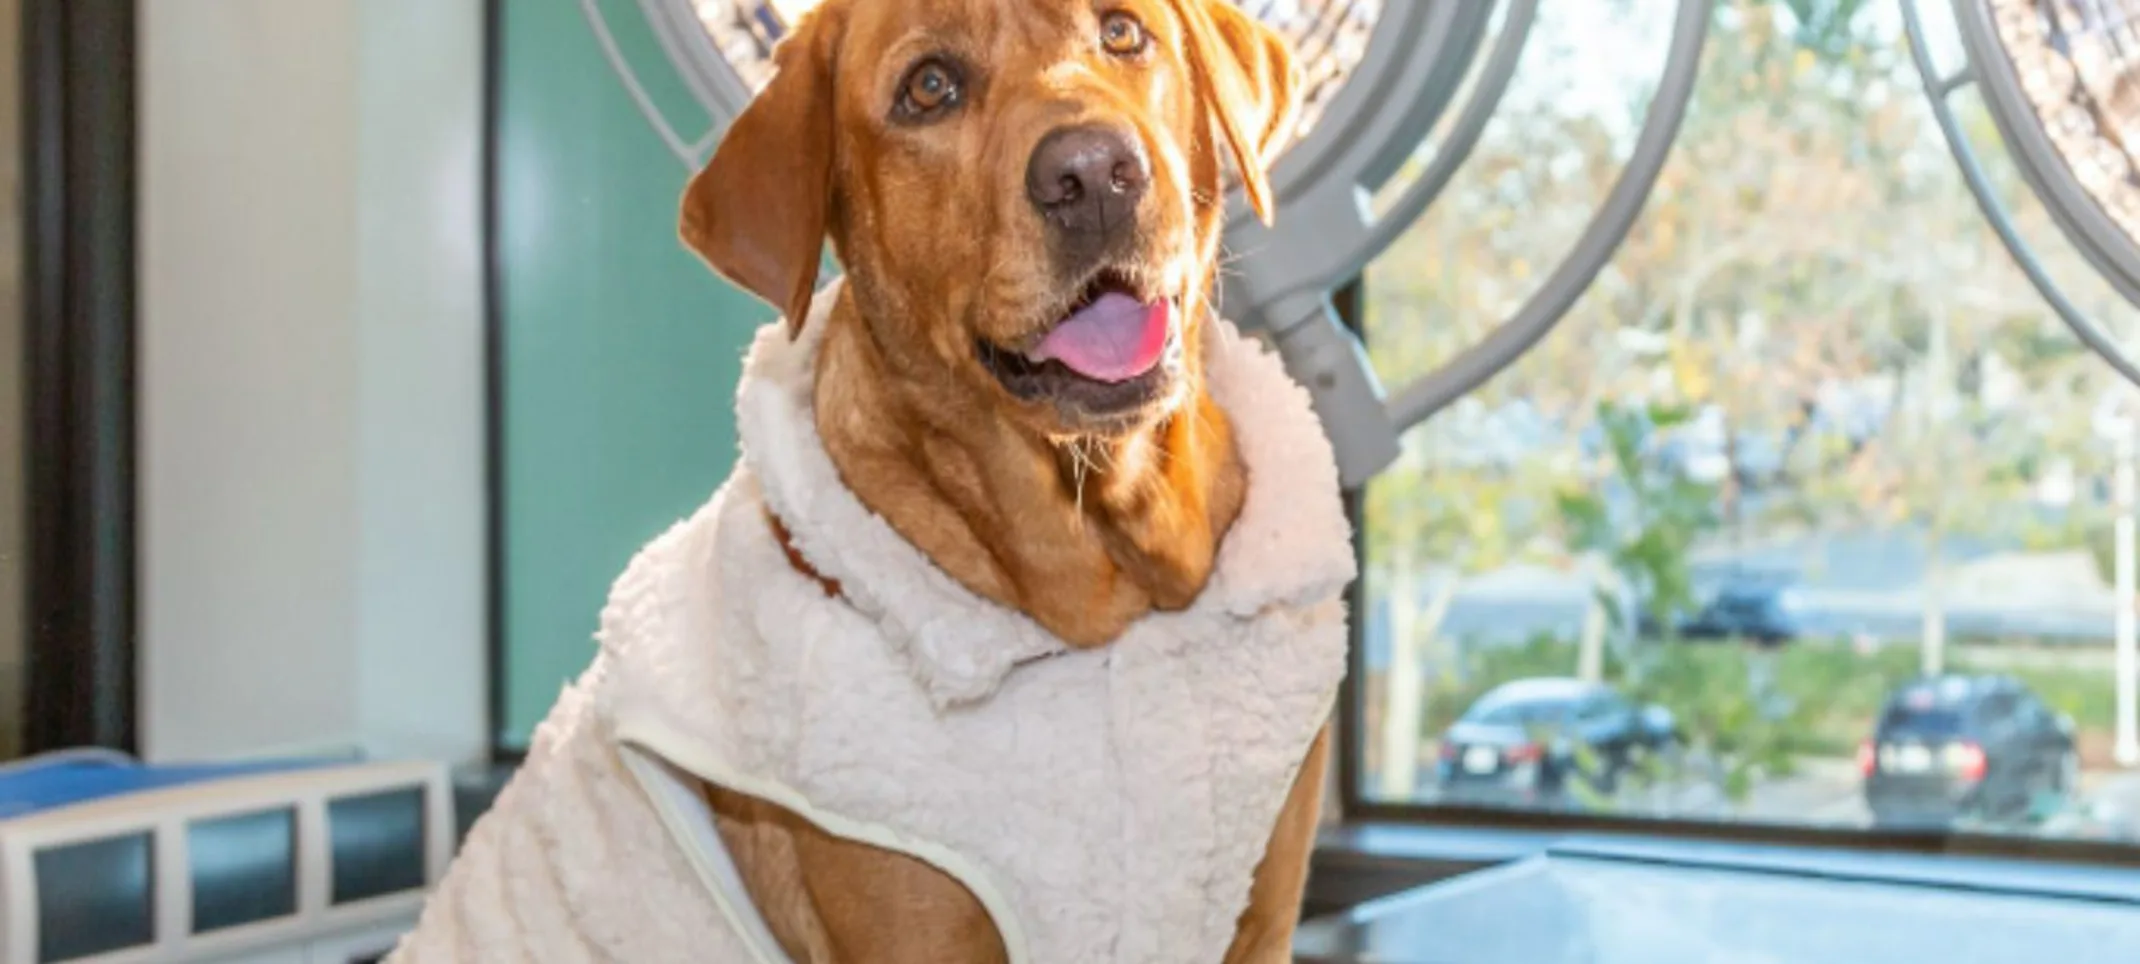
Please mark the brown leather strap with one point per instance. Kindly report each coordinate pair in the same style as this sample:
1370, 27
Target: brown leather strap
795, 557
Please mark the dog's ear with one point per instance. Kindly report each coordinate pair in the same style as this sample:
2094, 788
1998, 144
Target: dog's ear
1246, 75
757, 213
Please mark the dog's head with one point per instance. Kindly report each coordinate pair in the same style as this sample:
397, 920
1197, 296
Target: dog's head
1027, 195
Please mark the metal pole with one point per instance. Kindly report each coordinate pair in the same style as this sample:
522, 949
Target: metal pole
2128, 742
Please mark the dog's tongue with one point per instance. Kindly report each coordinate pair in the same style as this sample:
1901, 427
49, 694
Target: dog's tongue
1113, 339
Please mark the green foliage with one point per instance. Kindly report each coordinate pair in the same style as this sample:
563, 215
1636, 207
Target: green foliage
1485, 667
1843, 687
2083, 693
1839, 689
1738, 725
1649, 549
1455, 518
1826, 27
2101, 541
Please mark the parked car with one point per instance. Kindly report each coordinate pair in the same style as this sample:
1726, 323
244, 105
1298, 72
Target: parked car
1759, 607
1977, 747
1523, 742
1758, 610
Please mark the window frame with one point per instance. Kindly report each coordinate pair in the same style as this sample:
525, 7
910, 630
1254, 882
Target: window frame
1362, 815
1358, 811
78, 128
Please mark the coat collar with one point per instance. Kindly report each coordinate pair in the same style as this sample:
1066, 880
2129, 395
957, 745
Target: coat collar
1290, 546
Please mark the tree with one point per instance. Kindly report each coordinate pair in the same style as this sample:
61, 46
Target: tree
1441, 512
1646, 537
1431, 535
1956, 459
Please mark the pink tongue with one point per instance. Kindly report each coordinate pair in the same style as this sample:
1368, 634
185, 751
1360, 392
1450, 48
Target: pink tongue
1114, 339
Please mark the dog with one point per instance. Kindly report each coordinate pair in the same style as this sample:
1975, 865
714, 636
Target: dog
1014, 636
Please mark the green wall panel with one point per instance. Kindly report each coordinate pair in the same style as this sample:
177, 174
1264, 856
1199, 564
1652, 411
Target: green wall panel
620, 350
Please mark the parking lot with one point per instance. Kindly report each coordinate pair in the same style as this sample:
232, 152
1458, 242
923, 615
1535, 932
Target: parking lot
1828, 792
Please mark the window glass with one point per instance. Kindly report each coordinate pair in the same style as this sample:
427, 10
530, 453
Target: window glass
244, 868
1940, 721
376, 842
94, 897
1808, 464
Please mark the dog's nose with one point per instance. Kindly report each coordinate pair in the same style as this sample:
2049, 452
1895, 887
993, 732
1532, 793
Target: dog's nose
1087, 179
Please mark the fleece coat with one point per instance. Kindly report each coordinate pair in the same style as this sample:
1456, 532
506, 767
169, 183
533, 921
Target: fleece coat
1107, 806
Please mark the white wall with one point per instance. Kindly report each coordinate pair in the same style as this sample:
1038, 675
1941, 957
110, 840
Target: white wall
311, 378
421, 620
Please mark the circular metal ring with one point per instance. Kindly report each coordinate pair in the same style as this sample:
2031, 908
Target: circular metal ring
1938, 89
2052, 77
1593, 249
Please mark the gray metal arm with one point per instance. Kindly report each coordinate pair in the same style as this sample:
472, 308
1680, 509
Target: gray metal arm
1317, 347
1327, 236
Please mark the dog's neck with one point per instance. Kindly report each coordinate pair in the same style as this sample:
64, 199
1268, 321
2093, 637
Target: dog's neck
1084, 538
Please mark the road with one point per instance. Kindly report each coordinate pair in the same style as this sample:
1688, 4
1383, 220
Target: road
1843, 584
1823, 792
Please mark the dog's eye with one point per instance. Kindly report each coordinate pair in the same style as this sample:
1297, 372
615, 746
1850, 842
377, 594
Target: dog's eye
930, 87
1122, 35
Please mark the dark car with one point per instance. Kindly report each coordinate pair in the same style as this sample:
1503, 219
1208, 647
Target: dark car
1756, 606
1755, 610
1975, 747
1524, 741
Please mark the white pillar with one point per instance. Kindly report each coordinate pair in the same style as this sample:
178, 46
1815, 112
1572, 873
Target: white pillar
1590, 647
1932, 642
2128, 741
1405, 694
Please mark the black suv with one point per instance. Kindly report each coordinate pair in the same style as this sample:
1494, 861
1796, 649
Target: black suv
1981, 747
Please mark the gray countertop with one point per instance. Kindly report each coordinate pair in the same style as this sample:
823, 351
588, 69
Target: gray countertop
1612, 903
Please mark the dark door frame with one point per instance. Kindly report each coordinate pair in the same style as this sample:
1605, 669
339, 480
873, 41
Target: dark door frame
494, 392
79, 181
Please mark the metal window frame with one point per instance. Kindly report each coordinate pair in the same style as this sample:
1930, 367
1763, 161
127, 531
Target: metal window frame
1281, 279
1359, 808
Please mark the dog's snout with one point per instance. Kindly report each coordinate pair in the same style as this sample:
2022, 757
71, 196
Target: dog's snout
1087, 179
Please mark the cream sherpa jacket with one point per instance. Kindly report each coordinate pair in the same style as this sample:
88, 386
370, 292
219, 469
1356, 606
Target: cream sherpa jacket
1105, 805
